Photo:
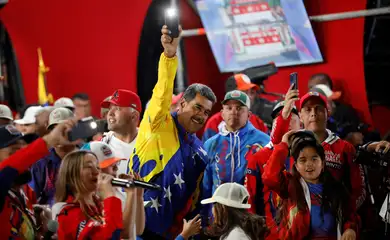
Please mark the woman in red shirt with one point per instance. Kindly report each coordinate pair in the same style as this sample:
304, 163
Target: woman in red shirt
82, 214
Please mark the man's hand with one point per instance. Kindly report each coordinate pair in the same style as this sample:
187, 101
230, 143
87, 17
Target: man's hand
382, 146
169, 44
291, 97
192, 227
59, 135
287, 136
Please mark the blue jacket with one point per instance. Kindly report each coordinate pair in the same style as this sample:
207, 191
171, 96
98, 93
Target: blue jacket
44, 175
227, 156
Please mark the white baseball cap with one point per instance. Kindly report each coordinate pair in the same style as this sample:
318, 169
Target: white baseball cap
5, 112
103, 152
230, 194
59, 115
327, 91
29, 115
64, 102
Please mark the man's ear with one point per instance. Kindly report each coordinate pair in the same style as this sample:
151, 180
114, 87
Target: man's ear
249, 114
136, 115
182, 103
300, 118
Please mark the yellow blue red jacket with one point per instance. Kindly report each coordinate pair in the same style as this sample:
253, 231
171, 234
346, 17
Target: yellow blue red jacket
169, 156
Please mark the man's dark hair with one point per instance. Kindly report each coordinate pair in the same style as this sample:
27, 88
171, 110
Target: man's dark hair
81, 96
203, 90
323, 76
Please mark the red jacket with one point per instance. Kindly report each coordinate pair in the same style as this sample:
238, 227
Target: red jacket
17, 220
212, 124
339, 156
105, 221
296, 223
262, 200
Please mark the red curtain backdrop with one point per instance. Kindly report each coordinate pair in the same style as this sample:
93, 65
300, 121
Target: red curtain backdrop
92, 46
89, 45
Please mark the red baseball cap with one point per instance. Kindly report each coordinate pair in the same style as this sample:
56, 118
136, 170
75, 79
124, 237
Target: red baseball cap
123, 98
313, 94
176, 98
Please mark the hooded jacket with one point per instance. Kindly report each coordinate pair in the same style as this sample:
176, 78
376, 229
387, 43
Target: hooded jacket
212, 125
227, 153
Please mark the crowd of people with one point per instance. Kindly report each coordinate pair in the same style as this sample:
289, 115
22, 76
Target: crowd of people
297, 180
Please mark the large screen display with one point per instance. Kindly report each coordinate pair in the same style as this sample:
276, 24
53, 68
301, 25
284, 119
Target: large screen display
248, 33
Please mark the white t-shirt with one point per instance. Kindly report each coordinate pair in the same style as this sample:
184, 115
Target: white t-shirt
237, 234
121, 150
119, 193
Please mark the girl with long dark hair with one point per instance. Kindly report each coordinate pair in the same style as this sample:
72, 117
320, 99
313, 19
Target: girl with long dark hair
315, 205
232, 221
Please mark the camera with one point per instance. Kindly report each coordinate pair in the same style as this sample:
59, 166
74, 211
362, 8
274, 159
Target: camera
372, 159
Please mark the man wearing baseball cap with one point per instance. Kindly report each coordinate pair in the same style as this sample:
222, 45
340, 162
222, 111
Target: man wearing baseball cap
261, 107
65, 103
339, 154
44, 172
228, 149
6, 116
122, 119
243, 83
28, 122
341, 113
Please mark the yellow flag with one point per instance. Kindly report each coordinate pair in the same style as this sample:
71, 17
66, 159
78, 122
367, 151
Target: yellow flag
43, 97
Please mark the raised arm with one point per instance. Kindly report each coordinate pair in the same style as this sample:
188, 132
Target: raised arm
255, 169
274, 175
282, 122
20, 161
161, 100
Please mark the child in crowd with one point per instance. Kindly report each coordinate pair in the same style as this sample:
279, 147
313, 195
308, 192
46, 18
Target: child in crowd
232, 221
315, 205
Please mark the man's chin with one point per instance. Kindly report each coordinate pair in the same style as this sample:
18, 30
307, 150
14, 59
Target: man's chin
194, 128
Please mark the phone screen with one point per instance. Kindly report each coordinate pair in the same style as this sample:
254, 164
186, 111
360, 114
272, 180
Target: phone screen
84, 129
172, 22
294, 80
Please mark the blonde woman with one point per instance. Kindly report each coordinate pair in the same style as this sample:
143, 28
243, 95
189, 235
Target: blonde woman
83, 215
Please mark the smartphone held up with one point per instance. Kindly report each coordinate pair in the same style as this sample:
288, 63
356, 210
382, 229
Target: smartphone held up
172, 22
86, 128
294, 80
